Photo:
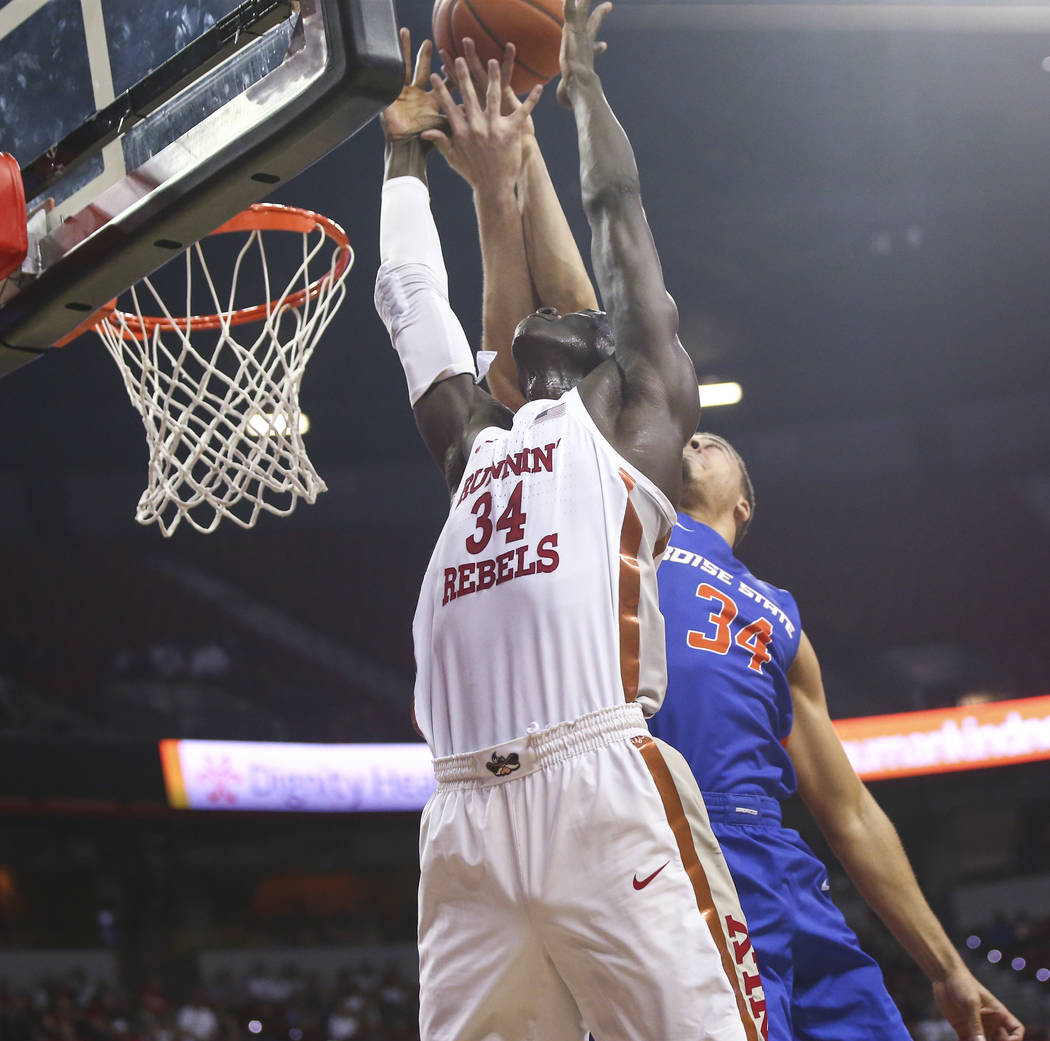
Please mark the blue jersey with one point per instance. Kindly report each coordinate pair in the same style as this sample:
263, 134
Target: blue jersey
730, 641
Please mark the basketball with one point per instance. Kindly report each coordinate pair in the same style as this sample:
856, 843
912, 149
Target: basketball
533, 26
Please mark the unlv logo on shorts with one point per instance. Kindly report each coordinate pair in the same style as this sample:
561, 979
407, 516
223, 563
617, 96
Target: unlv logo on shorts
752, 981
502, 765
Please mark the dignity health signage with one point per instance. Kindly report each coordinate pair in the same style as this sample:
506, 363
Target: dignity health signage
271, 775
941, 740
274, 776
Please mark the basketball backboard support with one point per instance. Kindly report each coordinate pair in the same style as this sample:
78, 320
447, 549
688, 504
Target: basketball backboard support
140, 127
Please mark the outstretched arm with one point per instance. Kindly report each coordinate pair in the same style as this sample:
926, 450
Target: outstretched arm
485, 148
557, 269
412, 284
659, 403
866, 843
543, 269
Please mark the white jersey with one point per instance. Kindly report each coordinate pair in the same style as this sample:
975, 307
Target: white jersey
539, 604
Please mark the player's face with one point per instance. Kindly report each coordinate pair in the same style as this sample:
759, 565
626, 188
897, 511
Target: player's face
553, 351
710, 470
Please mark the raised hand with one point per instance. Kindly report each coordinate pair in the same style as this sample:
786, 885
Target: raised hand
579, 43
416, 109
479, 73
485, 146
479, 76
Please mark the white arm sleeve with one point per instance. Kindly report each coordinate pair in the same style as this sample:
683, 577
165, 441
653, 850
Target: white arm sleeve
412, 290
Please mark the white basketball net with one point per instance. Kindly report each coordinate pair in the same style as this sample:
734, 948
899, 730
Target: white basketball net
222, 417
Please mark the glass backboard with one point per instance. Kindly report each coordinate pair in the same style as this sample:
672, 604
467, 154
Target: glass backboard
139, 127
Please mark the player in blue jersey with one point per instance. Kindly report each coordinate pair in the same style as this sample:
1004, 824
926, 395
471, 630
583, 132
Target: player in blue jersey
745, 704
745, 701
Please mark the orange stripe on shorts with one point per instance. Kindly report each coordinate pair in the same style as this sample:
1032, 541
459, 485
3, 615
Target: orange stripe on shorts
675, 812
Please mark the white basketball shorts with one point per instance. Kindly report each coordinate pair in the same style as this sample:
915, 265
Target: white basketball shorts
570, 882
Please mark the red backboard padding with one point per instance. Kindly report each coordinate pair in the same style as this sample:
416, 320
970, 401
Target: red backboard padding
13, 241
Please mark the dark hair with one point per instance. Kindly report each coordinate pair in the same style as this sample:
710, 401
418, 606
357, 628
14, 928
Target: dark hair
747, 489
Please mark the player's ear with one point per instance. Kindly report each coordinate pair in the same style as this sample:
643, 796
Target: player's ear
741, 512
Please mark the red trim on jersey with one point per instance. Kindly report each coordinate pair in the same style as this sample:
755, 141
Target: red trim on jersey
629, 595
675, 812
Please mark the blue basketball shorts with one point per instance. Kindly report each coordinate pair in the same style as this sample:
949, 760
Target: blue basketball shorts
819, 984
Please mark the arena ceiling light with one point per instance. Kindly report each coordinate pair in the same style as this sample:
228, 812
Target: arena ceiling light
714, 394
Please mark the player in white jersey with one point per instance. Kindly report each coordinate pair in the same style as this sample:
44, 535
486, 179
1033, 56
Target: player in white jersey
816, 981
564, 882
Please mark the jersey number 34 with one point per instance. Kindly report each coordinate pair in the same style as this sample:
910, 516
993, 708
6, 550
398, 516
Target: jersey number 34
753, 638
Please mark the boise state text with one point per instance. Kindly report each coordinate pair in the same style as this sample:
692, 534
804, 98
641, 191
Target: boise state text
673, 555
475, 576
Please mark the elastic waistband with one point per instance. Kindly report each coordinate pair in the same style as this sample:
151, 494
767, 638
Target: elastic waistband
532, 752
760, 811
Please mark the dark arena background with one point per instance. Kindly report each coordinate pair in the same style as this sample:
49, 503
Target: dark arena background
852, 206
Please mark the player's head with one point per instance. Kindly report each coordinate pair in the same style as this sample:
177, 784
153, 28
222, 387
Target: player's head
553, 351
715, 482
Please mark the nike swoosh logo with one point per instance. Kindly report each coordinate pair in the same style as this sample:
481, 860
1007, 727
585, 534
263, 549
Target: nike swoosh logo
645, 881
